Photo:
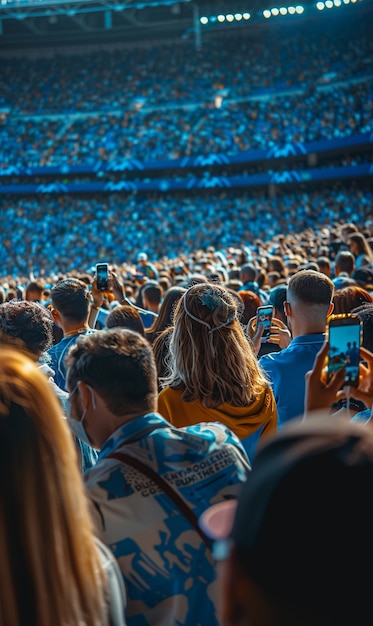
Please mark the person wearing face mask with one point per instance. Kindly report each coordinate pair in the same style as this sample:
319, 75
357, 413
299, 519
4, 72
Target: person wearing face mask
151, 480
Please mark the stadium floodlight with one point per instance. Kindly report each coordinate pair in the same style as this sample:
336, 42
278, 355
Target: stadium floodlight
320, 6
238, 17
229, 17
275, 11
283, 10
266, 13
291, 10
204, 20
329, 4
221, 18
337, 3
299, 9
246, 16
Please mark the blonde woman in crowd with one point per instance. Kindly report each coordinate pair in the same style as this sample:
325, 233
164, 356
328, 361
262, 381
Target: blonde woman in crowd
214, 373
53, 571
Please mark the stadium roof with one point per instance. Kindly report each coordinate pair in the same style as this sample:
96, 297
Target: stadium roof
38, 23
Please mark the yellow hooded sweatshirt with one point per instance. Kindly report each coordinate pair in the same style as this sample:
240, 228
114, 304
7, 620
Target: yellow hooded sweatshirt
242, 420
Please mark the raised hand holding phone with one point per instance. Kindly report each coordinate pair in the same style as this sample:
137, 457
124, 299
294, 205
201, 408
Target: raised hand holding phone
344, 336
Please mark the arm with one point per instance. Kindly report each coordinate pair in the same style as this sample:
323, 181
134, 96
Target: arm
98, 297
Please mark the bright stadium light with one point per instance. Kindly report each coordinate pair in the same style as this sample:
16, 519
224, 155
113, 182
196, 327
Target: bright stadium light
291, 10
320, 6
266, 13
329, 4
204, 20
246, 16
299, 9
283, 10
275, 11
229, 17
221, 18
337, 3
238, 17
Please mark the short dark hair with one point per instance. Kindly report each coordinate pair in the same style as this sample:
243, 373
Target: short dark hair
345, 261
125, 316
28, 321
70, 297
119, 364
311, 287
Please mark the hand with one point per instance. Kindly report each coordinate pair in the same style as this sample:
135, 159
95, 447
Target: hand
321, 394
256, 339
97, 295
115, 287
280, 333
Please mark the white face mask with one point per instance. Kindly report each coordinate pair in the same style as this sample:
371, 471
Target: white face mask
77, 425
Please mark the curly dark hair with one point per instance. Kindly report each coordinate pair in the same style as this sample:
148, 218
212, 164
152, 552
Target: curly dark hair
29, 322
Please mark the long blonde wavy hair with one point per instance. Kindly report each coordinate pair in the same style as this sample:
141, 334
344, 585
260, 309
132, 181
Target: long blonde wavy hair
210, 358
50, 572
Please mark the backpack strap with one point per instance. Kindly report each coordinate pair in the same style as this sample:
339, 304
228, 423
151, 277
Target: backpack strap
165, 487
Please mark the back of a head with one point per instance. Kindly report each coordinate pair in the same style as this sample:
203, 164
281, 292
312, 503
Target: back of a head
125, 316
365, 314
309, 507
119, 364
210, 357
251, 302
70, 297
247, 273
153, 294
40, 484
310, 287
344, 262
34, 290
302, 527
349, 298
28, 322
167, 309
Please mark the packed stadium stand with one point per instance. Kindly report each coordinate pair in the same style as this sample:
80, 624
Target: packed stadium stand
167, 146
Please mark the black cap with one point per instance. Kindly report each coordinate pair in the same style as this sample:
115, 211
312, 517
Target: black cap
304, 519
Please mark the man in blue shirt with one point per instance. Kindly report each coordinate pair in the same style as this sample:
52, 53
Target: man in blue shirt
308, 303
167, 567
70, 310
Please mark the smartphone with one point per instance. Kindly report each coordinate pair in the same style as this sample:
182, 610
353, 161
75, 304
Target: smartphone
345, 334
102, 274
264, 317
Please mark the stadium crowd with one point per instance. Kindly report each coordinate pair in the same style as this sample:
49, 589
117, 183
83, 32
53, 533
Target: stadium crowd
48, 234
136, 104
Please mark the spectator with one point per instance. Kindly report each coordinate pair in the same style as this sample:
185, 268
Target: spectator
34, 291
349, 298
113, 393
166, 311
53, 569
361, 250
71, 304
214, 374
251, 302
28, 325
344, 266
325, 266
151, 297
305, 498
309, 302
145, 268
125, 316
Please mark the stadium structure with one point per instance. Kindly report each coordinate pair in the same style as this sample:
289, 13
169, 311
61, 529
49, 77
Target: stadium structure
246, 117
